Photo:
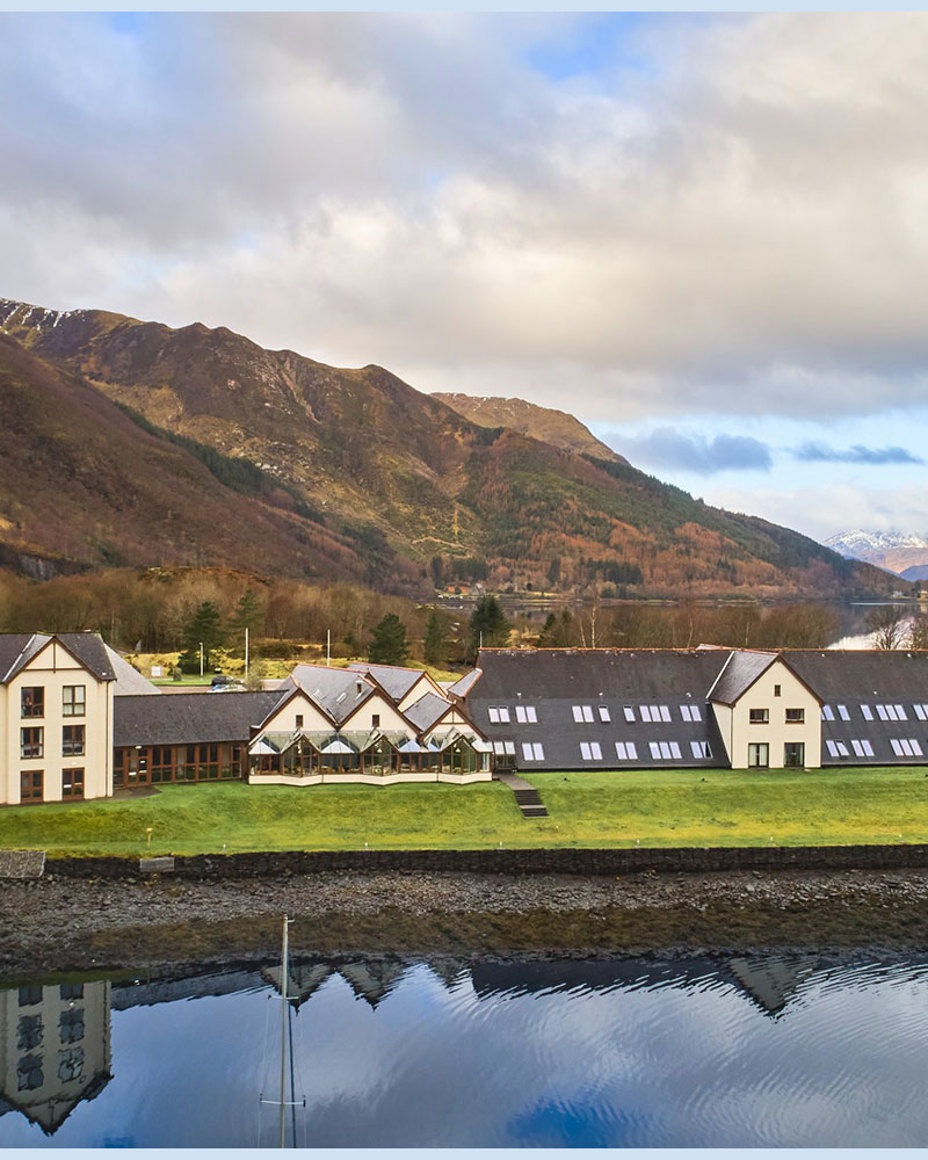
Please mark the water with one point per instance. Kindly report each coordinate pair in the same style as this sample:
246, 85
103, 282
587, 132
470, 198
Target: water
766, 1051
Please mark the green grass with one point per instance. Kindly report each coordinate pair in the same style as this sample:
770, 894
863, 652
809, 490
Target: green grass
650, 808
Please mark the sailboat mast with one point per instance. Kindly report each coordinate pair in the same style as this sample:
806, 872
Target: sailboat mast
285, 979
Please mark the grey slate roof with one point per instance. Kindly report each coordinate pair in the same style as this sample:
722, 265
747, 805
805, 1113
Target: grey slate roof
395, 681
17, 649
601, 684
740, 672
462, 686
337, 692
848, 680
129, 681
426, 711
188, 718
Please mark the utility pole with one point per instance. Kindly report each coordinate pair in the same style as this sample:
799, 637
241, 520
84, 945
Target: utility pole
201, 658
328, 646
285, 987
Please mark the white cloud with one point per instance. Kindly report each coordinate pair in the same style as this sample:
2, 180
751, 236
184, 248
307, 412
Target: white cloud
737, 226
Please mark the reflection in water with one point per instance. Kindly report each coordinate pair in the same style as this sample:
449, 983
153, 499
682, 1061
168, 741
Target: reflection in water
784, 1050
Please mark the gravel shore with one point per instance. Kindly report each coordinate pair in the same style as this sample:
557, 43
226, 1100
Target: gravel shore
54, 925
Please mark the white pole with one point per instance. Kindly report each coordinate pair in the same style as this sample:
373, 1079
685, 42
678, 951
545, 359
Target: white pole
246, 654
285, 987
201, 658
328, 646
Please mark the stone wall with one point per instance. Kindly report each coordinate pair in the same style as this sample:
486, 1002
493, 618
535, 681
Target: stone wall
214, 867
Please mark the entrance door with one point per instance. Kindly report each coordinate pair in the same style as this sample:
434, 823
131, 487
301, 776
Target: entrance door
31, 786
794, 755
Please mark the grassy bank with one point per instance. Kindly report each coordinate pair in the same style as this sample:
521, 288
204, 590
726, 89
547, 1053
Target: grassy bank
664, 808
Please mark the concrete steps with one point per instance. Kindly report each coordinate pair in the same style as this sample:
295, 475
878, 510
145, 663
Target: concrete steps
527, 797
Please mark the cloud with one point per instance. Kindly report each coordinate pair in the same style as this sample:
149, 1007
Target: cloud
724, 215
876, 456
672, 450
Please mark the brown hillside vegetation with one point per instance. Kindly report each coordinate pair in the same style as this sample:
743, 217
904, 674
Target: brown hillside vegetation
346, 472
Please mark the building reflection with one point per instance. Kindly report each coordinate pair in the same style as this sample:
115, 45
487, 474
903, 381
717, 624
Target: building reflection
55, 1043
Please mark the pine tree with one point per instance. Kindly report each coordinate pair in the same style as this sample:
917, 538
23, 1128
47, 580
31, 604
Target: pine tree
434, 639
204, 627
488, 625
249, 613
388, 644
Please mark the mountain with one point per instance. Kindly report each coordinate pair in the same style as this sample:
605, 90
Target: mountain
890, 550
544, 423
134, 442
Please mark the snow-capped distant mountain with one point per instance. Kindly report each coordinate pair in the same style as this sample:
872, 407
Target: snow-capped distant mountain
890, 550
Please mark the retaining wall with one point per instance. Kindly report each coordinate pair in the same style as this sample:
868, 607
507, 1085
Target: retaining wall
215, 867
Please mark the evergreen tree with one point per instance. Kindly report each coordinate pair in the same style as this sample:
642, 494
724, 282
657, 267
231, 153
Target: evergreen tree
388, 644
204, 627
249, 613
434, 639
488, 625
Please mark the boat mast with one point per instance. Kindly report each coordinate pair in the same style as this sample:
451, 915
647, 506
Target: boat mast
285, 987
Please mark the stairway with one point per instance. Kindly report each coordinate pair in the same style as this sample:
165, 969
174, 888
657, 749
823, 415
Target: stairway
528, 799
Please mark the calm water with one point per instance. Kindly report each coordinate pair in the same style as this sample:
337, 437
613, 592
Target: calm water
737, 1052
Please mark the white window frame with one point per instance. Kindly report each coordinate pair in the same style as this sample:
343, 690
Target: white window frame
498, 714
861, 747
827, 713
701, 750
591, 751
843, 713
690, 713
526, 715
533, 751
866, 712
629, 711
626, 751
604, 714
583, 714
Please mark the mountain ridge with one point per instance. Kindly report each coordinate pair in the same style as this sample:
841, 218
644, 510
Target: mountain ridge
390, 480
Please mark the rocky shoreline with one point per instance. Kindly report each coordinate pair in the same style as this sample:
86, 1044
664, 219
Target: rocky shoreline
57, 925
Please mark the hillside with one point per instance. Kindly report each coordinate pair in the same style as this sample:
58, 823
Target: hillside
543, 423
333, 471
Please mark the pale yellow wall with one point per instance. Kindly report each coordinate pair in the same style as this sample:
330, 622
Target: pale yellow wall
390, 717
424, 685
44, 1103
793, 695
53, 668
284, 720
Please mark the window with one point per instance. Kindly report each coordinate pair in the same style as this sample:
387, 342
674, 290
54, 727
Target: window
655, 713
794, 755
299, 720
375, 721
31, 785
29, 1032
626, 751
843, 713
32, 741
837, 749
72, 783
604, 713
629, 713
29, 1074
891, 713
73, 701
827, 713
71, 1064
795, 716
30, 995
700, 749
905, 747
532, 751
865, 711
776, 690
71, 991
583, 713
32, 702
526, 715
690, 713
921, 712
665, 750
758, 755
499, 715
72, 740
591, 751
71, 1025
504, 748
862, 748
759, 716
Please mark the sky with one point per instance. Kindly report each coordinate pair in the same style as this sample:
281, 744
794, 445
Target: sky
705, 236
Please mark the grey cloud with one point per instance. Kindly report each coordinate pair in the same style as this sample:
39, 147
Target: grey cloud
876, 456
667, 448
737, 228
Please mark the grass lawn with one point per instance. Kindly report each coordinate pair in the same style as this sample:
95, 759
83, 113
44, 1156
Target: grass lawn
653, 808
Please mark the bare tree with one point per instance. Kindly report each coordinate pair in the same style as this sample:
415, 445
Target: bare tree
889, 627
